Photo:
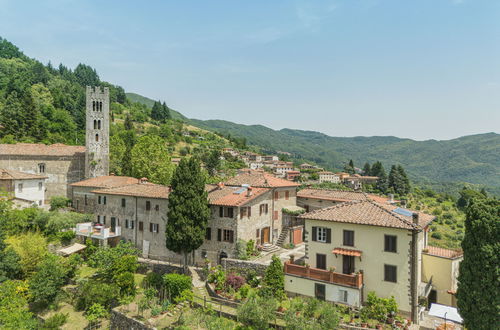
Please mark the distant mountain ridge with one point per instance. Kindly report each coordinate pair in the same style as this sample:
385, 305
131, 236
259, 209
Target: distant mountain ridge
471, 159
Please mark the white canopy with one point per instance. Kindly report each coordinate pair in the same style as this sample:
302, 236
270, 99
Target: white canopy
445, 312
76, 247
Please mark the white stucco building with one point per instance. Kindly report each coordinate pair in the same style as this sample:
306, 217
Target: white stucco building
25, 189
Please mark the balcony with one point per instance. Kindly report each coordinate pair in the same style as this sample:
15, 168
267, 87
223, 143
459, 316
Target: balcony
98, 231
354, 281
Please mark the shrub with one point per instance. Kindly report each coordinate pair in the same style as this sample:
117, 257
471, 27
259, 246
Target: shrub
250, 247
241, 249
92, 291
252, 278
244, 290
176, 283
54, 322
378, 308
311, 314
436, 211
96, 312
218, 277
66, 236
274, 279
154, 280
58, 202
234, 281
436, 235
126, 282
186, 295
257, 312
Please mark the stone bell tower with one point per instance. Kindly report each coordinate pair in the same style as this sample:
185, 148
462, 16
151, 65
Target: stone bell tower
97, 132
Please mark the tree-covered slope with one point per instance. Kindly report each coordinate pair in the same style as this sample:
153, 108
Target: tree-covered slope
473, 159
133, 97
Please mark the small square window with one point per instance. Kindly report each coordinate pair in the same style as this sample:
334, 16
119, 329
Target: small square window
321, 234
124, 202
148, 205
390, 243
20, 188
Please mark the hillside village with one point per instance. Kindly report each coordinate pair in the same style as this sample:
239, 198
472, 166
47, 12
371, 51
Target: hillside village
348, 246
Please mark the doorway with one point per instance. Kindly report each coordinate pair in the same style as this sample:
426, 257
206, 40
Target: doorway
113, 224
264, 235
432, 298
347, 264
222, 255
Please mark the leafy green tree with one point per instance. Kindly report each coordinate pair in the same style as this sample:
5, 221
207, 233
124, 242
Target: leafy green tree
349, 168
96, 292
117, 150
31, 249
150, 159
479, 278
188, 211
367, 169
309, 314
274, 279
466, 195
46, 283
58, 202
395, 181
212, 162
175, 284
14, 311
86, 75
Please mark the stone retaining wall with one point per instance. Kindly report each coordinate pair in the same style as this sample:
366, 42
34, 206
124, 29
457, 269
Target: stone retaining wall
121, 321
160, 268
243, 266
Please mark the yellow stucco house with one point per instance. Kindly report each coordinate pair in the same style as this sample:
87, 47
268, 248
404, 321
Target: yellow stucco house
440, 268
356, 247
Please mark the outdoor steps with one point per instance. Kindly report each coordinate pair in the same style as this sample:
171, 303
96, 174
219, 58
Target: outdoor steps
270, 248
283, 237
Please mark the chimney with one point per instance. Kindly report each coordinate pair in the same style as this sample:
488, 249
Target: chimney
220, 185
112, 174
415, 218
143, 180
249, 191
391, 198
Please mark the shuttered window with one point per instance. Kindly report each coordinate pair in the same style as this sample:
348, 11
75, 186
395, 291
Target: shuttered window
219, 235
390, 243
221, 211
321, 234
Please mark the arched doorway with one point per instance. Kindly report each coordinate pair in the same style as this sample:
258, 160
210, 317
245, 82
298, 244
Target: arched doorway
222, 255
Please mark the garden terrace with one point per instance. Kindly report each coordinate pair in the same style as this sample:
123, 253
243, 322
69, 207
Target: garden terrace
355, 281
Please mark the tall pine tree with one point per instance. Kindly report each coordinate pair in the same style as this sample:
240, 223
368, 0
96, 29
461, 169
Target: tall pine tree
479, 279
378, 170
367, 169
188, 209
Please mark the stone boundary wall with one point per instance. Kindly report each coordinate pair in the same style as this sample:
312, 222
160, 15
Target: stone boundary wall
121, 321
160, 267
243, 266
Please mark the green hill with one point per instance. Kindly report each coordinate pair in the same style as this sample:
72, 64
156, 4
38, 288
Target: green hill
133, 97
444, 164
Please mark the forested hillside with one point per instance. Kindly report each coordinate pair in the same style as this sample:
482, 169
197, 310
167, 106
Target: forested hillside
471, 159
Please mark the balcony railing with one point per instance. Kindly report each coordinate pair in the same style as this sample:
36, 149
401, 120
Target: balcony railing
90, 230
355, 281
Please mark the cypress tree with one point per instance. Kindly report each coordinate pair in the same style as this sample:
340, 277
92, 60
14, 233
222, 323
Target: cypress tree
404, 180
479, 279
188, 210
128, 123
166, 112
378, 170
367, 169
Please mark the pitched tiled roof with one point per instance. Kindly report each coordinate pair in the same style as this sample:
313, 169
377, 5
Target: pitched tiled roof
424, 218
35, 149
138, 190
16, 175
227, 196
259, 179
441, 252
364, 213
332, 195
106, 181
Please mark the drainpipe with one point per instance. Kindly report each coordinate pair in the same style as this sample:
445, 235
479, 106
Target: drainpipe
414, 271
136, 222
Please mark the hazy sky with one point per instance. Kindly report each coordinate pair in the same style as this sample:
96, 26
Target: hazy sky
420, 69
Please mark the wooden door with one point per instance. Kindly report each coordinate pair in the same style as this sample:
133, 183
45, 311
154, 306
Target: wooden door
265, 235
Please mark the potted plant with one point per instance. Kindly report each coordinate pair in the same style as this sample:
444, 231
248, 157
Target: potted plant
332, 269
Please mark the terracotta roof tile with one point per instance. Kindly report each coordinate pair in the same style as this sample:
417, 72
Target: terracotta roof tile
347, 252
362, 212
40, 149
441, 252
332, 195
17, 175
259, 179
138, 190
107, 181
227, 196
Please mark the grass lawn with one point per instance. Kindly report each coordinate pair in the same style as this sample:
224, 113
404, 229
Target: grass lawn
85, 272
76, 319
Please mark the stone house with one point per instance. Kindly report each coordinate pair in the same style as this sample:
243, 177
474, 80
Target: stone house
82, 196
357, 247
283, 192
24, 189
61, 164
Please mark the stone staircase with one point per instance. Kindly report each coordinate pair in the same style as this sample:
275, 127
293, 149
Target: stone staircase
269, 248
283, 236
